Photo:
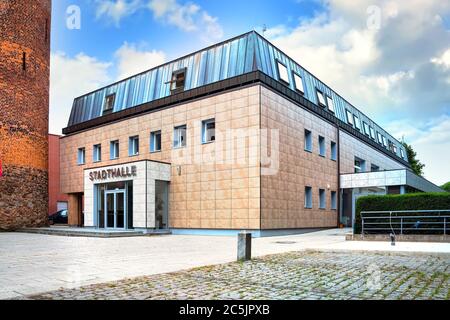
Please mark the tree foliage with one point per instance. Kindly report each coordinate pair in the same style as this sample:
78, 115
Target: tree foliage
416, 165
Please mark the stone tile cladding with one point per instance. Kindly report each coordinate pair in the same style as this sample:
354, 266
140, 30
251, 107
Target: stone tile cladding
203, 193
283, 194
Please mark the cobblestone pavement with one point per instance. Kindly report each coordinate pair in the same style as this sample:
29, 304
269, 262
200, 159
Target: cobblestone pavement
297, 275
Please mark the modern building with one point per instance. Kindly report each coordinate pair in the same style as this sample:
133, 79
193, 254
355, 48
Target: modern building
56, 200
235, 136
24, 107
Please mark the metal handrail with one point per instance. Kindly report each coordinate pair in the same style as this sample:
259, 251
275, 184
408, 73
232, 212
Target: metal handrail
397, 222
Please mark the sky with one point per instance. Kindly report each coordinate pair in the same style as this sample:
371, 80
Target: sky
391, 59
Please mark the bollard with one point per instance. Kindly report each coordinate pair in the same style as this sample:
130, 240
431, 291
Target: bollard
244, 246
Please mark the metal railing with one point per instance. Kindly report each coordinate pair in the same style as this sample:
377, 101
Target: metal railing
406, 222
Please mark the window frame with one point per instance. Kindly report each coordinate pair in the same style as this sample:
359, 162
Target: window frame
173, 80
402, 153
349, 116
333, 200
205, 129
183, 143
322, 199
357, 122
153, 136
295, 76
333, 147
97, 152
308, 197
105, 104
112, 149
308, 141
372, 133
322, 146
361, 167
133, 146
81, 156
330, 103
321, 98
280, 74
383, 138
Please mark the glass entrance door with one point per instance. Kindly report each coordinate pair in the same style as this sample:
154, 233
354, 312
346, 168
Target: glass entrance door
115, 209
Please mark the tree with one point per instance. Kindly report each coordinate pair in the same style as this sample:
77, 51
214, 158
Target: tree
446, 186
416, 165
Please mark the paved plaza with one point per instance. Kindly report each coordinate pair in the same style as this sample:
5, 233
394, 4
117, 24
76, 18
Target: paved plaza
35, 263
298, 275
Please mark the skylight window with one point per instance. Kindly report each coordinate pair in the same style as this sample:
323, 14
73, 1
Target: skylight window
379, 138
349, 117
357, 123
283, 72
330, 104
372, 133
178, 80
366, 128
384, 141
321, 99
109, 103
298, 83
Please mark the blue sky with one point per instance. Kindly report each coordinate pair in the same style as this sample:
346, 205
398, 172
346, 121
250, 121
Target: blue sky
389, 58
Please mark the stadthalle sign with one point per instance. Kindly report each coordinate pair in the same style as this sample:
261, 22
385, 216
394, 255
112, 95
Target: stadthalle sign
123, 172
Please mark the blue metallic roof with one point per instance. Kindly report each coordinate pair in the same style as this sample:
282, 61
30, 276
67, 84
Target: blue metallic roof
237, 56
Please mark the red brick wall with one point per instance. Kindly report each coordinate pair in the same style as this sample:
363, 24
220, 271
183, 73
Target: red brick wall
54, 187
24, 99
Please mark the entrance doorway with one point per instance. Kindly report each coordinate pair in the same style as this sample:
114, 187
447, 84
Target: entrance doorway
161, 204
115, 209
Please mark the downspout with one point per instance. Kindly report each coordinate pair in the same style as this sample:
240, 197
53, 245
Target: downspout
338, 191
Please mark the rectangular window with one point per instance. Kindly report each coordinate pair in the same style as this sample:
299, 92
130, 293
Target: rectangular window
402, 153
155, 141
321, 99
349, 117
322, 199
179, 137
330, 104
81, 159
374, 168
208, 131
322, 148
372, 133
333, 200
97, 153
308, 197
109, 103
394, 148
298, 83
360, 165
178, 81
384, 141
282, 72
333, 151
308, 140
357, 123
366, 128
114, 149
133, 146
379, 138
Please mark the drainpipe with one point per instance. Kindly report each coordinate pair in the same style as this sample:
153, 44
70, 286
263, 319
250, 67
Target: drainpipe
338, 191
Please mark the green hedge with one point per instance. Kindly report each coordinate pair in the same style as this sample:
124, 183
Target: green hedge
411, 201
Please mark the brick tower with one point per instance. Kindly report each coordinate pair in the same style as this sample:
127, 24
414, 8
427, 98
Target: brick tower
24, 107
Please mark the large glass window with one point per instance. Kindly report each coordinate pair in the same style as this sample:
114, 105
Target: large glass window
97, 153
308, 197
321, 98
155, 141
81, 158
308, 140
133, 146
179, 137
208, 131
322, 149
282, 72
298, 83
114, 149
322, 199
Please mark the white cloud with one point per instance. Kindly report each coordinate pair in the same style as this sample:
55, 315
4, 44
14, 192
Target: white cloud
399, 71
117, 9
131, 60
188, 16
70, 78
